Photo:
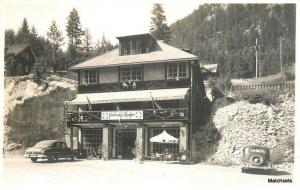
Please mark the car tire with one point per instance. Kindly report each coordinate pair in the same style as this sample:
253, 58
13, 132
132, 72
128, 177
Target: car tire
72, 157
33, 159
51, 158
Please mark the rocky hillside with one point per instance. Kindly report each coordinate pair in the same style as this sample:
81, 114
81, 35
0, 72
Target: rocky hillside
234, 125
34, 111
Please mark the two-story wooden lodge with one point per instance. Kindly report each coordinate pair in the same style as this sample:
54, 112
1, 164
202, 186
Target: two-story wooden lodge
132, 93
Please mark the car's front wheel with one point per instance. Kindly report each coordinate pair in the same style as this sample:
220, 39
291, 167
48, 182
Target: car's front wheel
33, 159
51, 158
72, 157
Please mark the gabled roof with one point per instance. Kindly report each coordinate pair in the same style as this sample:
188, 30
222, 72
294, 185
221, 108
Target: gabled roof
161, 53
15, 49
212, 68
136, 35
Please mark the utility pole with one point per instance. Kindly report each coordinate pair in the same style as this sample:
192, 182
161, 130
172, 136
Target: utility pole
256, 63
256, 47
280, 53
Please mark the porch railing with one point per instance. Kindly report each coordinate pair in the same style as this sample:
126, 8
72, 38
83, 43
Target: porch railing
174, 114
139, 85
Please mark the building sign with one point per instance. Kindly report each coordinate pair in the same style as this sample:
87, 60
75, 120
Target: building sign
122, 115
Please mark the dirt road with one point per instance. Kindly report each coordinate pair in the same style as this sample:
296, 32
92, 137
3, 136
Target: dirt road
128, 172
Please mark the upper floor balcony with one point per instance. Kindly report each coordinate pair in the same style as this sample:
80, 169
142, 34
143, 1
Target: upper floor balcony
134, 85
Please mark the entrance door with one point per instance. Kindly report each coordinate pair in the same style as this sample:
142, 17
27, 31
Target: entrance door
125, 143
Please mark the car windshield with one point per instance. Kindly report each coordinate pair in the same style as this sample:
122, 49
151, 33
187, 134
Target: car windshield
44, 144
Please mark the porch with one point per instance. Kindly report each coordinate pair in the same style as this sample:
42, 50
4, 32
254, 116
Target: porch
129, 140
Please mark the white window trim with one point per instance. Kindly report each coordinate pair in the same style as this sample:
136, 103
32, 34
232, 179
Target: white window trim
177, 72
131, 66
82, 76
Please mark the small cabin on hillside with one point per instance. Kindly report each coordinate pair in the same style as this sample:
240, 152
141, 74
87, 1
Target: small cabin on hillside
19, 60
131, 94
209, 71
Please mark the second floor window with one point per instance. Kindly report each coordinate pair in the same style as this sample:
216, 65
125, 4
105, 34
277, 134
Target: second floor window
177, 70
88, 77
134, 73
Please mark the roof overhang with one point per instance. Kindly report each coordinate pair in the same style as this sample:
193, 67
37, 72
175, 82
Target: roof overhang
133, 63
129, 96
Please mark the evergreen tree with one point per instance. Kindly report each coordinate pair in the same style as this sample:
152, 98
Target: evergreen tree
23, 35
74, 33
10, 37
87, 42
159, 27
103, 46
56, 40
55, 36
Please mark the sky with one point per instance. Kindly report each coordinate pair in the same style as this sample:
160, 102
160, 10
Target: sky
111, 17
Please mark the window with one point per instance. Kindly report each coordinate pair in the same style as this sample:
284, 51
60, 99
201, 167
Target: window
134, 73
177, 70
134, 46
91, 139
88, 77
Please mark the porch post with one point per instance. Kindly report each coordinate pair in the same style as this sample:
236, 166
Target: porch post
146, 141
114, 145
183, 145
107, 143
139, 143
71, 137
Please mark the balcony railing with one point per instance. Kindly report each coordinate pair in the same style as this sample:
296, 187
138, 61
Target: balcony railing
139, 85
176, 114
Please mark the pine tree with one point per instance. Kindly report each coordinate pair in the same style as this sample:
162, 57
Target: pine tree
106, 44
55, 36
23, 35
87, 42
74, 33
10, 37
159, 27
56, 39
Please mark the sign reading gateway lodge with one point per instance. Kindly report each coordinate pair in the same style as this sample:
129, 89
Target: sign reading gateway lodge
122, 115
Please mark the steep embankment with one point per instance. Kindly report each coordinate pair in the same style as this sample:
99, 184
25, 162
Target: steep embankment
234, 125
35, 111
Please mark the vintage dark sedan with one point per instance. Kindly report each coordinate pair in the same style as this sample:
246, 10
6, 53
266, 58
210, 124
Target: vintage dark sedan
49, 149
256, 158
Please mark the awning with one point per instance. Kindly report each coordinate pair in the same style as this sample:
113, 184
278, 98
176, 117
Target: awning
130, 96
164, 137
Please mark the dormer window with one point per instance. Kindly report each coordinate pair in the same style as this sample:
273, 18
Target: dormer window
177, 70
131, 45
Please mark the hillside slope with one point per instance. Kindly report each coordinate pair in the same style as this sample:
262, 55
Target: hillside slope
235, 125
35, 111
223, 34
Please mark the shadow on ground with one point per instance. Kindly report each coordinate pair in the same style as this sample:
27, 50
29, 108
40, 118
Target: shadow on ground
55, 162
271, 173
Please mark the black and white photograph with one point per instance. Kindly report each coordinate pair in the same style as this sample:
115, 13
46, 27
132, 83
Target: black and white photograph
148, 94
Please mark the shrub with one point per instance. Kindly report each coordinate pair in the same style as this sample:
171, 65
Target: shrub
223, 84
289, 75
283, 152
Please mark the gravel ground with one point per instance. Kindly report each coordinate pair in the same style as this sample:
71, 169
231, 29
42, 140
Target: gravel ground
127, 172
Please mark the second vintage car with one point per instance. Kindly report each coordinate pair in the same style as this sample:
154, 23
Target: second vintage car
49, 149
256, 158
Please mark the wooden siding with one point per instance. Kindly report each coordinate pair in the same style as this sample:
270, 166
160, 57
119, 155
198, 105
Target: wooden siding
154, 72
108, 75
